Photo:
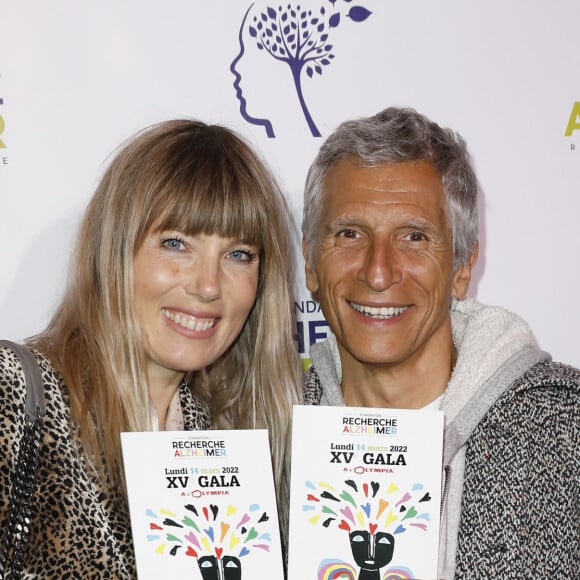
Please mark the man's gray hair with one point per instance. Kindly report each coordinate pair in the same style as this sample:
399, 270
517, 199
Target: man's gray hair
396, 135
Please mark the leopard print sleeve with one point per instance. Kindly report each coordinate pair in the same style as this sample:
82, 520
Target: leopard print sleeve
311, 387
12, 421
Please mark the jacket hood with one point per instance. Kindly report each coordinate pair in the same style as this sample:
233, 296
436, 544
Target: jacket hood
494, 348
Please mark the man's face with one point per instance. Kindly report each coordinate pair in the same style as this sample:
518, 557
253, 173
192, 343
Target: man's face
383, 265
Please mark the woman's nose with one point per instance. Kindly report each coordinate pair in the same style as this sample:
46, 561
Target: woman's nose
204, 278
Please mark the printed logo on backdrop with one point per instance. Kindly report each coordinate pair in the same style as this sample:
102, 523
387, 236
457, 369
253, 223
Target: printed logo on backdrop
573, 124
2, 126
3, 157
311, 328
295, 37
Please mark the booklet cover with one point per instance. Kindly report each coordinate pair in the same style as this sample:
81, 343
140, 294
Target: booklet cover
202, 505
365, 493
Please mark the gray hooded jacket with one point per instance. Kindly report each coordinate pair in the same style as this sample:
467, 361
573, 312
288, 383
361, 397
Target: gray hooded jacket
501, 386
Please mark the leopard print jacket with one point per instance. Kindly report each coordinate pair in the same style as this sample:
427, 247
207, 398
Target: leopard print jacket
78, 528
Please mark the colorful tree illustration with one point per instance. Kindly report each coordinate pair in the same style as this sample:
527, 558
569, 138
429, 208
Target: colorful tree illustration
218, 541
373, 516
301, 38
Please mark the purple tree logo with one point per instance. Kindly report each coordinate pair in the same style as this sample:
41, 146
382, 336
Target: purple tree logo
301, 38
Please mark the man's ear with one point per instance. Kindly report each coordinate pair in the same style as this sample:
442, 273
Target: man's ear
311, 276
462, 276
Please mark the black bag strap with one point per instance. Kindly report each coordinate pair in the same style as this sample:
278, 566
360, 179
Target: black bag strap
35, 402
16, 528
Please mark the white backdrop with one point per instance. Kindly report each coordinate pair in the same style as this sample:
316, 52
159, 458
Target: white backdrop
77, 78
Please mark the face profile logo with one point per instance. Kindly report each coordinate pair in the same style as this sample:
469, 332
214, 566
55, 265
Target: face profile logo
295, 36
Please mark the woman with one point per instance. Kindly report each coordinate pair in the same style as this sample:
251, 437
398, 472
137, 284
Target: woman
178, 315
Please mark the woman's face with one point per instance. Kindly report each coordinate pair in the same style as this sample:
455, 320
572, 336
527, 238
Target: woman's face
192, 295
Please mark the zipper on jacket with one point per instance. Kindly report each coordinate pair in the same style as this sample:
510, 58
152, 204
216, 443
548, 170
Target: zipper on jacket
445, 490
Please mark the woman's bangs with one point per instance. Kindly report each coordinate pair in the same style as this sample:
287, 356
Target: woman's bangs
230, 213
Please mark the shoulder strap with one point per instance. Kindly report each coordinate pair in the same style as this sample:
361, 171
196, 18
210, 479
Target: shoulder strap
35, 403
17, 524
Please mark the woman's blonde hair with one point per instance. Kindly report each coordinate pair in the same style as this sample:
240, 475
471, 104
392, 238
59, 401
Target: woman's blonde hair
188, 176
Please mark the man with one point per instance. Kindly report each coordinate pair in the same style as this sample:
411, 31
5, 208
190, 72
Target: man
390, 239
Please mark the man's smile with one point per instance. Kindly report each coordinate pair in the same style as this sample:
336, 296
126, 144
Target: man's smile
382, 312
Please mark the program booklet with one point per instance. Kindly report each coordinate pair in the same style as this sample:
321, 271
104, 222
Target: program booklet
202, 505
365, 493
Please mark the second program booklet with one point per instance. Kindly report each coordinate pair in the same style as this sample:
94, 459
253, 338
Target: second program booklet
365, 493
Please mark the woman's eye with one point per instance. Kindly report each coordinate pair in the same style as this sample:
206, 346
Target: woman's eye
242, 255
173, 243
